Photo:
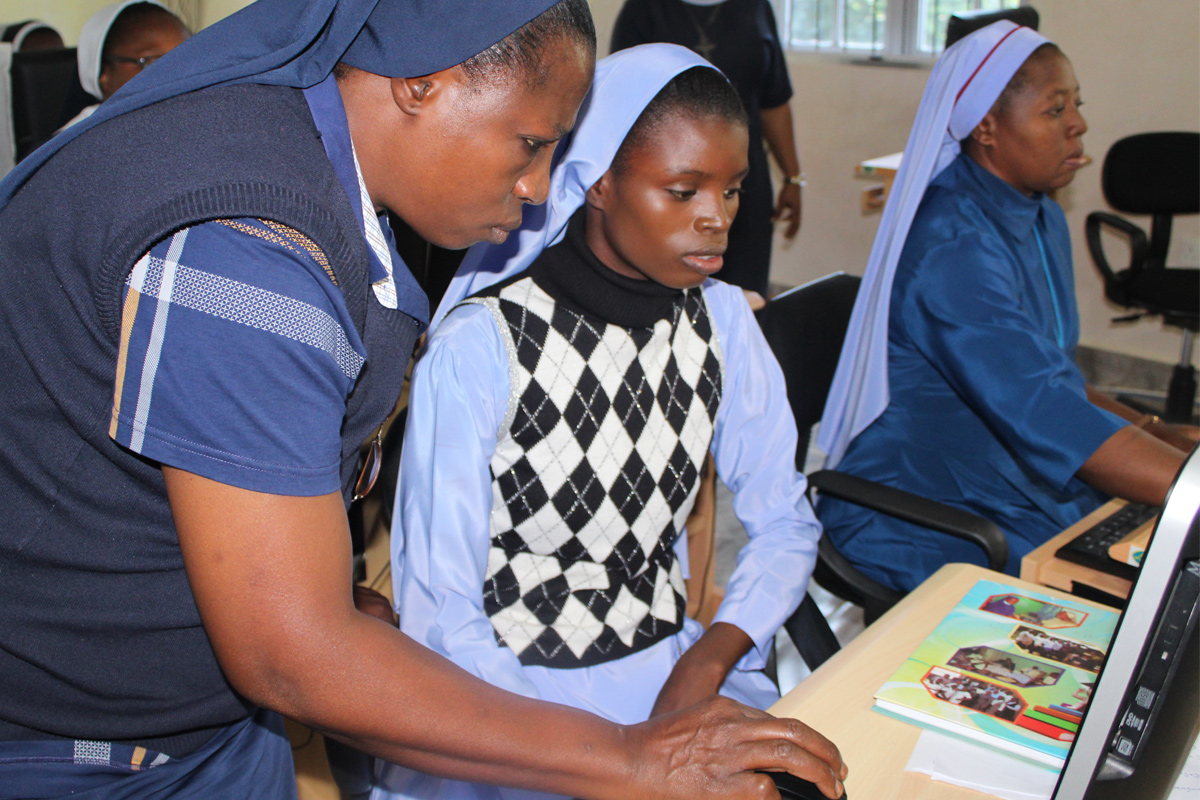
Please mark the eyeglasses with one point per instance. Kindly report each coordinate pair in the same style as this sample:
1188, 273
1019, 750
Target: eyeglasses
142, 62
370, 468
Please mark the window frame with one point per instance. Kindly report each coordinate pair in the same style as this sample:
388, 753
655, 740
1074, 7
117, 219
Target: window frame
899, 46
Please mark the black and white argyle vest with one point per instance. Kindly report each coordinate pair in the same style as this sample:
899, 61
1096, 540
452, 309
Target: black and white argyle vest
595, 470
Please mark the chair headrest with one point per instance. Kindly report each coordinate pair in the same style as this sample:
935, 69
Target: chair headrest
1154, 173
805, 328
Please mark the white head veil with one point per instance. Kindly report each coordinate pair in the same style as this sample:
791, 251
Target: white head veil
964, 85
91, 43
625, 84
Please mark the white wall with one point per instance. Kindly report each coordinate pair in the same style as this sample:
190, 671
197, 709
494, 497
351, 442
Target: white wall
213, 10
66, 15
1138, 62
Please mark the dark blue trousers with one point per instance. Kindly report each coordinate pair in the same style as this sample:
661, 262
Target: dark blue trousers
249, 759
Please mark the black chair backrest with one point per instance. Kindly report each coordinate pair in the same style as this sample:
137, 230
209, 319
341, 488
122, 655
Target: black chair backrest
964, 22
46, 94
805, 328
1153, 173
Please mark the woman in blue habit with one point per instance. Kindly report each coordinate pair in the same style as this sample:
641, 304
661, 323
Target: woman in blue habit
957, 380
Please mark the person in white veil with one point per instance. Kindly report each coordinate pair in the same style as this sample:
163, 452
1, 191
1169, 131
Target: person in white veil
957, 378
118, 42
31, 34
559, 416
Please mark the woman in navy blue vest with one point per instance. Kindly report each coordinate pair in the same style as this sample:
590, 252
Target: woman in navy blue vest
207, 316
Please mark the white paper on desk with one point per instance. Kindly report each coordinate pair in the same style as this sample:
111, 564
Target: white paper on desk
1188, 784
984, 769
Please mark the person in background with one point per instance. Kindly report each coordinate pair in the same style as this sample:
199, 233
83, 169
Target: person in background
31, 34
957, 380
741, 39
119, 41
206, 319
558, 420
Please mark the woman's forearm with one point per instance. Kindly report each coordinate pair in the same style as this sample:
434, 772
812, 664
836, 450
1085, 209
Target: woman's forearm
1134, 465
271, 577
702, 669
1181, 437
441, 720
780, 135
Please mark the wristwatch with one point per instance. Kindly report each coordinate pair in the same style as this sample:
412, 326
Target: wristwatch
798, 180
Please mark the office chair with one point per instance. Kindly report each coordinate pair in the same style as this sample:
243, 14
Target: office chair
963, 22
1156, 174
46, 94
805, 328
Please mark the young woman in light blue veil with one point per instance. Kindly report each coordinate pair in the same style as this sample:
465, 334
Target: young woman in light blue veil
576, 377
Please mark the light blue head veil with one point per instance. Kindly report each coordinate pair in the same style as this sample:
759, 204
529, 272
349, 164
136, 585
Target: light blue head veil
625, 84
964, 85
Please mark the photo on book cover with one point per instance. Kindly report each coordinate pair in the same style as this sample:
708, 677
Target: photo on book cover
1006, 667
1034, 612
967, 692
1058, 648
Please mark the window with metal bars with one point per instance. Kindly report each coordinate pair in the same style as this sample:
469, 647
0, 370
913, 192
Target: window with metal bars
874, 28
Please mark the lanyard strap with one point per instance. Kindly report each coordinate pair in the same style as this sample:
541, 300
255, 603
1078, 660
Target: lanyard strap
1058, 329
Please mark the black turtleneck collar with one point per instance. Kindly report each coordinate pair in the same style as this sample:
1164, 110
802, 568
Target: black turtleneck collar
572, 274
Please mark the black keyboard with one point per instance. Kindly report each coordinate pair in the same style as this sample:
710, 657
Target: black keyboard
1090, 548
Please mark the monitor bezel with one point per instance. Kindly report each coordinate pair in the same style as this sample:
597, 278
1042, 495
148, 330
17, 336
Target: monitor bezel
1161, 565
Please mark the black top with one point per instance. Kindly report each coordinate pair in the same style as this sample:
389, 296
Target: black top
739, 37
575, 277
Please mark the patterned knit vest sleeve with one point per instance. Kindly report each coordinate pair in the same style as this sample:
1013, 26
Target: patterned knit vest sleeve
595, 470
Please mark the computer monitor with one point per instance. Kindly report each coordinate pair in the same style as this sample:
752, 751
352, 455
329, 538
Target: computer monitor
1144, 710
46, 94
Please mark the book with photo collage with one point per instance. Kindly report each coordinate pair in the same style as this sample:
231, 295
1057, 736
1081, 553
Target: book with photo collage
1007, 667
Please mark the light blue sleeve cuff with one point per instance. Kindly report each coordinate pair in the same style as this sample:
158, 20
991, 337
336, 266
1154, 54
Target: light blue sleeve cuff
755, 446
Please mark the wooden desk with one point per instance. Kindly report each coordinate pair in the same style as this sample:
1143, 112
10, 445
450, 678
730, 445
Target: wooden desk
883, 169
1042, 566
837, 698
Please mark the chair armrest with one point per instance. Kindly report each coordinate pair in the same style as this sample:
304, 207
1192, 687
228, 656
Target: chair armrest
917, 510
1137, 244
835, 573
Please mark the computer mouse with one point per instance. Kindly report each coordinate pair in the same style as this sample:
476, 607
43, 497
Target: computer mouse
793, 788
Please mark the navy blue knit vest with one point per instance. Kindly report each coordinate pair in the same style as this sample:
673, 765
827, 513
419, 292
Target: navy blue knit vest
99, 633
